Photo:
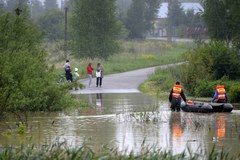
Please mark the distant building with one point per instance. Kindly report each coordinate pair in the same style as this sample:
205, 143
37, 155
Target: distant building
160, 29
196, 7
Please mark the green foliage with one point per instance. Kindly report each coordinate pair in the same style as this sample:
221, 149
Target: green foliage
26, 82
123, 6
205, 88
211, 61
225, 61
180, 22
222, 18
175, 14
140, 17
36, 9
234, 92
210, 64
163, 80
216, 18
95, 29
192, 19
52, 24
21, 129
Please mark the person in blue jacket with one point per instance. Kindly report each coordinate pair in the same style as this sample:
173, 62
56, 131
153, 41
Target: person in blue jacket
220, 94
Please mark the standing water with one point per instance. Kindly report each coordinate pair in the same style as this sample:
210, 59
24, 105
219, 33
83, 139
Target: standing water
129, 122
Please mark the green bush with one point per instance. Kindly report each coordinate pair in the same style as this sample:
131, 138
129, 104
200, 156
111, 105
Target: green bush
234, 93
209, 62
26, 81
205, 88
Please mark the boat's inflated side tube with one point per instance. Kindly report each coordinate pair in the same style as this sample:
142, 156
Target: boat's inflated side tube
222, 107
196, 107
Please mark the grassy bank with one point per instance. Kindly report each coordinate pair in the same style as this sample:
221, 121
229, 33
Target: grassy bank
133, 55
162, 82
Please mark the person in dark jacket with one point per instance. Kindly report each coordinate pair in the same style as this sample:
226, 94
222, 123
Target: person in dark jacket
68, 74
175, 96
67, 69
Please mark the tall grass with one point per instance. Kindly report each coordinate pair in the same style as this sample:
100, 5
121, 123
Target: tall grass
162, 81
61, 152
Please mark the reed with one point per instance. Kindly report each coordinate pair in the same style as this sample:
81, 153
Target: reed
61, 152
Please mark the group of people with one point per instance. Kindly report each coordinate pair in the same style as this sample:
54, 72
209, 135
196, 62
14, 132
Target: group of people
99, 74
73, 77
176, 94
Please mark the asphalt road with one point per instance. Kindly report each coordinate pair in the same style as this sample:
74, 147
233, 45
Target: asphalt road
126, 82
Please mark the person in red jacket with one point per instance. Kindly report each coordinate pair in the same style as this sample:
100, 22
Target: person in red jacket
175, 96
89, 73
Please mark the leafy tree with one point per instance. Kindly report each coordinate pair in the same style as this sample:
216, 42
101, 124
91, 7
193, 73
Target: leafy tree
216, 17
122, 7
222, 18
36, 8
210, 62
52, 24
95, 28
176, 14
26, 82
140, 17
50, 4
2, 5
176, 17
193, 20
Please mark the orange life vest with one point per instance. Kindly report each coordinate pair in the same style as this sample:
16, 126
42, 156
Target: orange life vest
221, 92
177, 89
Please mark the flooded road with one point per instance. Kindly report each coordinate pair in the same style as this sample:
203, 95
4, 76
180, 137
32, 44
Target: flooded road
129, 122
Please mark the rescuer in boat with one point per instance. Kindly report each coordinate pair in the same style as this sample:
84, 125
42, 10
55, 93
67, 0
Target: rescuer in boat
175, 97
220, 94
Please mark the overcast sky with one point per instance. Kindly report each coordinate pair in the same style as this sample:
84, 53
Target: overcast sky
58, 1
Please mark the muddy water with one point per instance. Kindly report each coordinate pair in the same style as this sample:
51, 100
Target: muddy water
128, 121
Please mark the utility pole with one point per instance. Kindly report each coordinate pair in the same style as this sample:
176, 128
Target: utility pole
65, 37
169, 28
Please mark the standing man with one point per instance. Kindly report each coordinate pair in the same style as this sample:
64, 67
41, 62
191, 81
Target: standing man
89, 73
220, 94
68, 73
175, 96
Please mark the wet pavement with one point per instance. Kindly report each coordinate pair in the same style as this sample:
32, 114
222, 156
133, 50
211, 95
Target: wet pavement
126, 82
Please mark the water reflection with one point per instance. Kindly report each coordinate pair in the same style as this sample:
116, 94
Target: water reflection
99, 99
220, 126
176, 130
109, 122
